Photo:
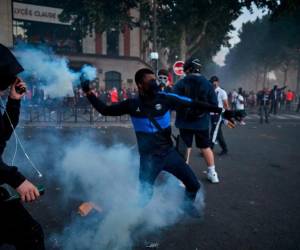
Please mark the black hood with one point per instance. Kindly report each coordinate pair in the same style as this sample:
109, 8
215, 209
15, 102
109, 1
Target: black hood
9, 67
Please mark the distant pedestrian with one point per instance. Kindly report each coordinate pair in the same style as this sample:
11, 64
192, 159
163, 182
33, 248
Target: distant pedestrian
114, 96
263, 101
289, 99
240, 105
275, 98
222, 103
234, 96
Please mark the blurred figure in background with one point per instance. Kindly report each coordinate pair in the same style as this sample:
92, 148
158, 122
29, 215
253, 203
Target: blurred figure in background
163, 78
222, 103
275, 98
114, 96
234, 96
240, 105
263, 102
289, 97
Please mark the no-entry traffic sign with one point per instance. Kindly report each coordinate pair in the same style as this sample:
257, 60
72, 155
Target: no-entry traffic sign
178, 68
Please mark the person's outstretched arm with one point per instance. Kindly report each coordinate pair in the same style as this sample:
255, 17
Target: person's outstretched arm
118, 109
181, 102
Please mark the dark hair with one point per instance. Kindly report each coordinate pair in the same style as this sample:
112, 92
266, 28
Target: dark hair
163, 72
140, 74
214, 79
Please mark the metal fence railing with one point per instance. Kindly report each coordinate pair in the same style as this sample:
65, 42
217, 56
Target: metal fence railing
59, 115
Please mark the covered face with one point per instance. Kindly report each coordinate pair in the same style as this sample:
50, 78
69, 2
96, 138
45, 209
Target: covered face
9, 68
146, 82
163, 77
150, 85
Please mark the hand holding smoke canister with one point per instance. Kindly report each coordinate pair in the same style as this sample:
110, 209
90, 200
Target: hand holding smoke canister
85, 84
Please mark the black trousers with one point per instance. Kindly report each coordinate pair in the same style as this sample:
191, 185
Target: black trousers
172, 162
274, 107
220, 137
18, 228
263, 113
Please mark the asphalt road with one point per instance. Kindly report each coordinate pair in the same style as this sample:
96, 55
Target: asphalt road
256, 205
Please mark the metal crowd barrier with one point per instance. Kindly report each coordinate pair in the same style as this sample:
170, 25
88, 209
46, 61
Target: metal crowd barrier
66, 114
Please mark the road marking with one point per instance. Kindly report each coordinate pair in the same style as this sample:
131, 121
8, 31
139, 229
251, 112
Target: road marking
252, 117
280, 117
293, 116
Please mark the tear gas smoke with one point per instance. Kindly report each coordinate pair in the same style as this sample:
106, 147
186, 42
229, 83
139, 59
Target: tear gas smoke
89, 171
107, 176
50, 71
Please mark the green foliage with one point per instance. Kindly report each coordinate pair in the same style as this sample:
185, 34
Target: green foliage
101, 15
266, 44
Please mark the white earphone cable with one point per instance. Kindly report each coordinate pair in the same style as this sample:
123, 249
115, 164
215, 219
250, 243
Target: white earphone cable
18, 141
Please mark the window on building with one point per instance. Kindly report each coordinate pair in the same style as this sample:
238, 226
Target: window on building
112, 80
61, 38
112, 43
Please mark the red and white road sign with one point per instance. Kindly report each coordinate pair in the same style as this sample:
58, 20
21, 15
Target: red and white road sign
178, 68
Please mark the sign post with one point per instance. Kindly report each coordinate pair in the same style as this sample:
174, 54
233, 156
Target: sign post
178, 68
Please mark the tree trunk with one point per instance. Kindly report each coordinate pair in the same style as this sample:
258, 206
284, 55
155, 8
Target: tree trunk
183, 45
285, 72
265, 76
256, 79
285, 76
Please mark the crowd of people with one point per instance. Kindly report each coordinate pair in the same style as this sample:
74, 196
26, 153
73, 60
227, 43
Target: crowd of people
279, 99
202, 106
36, 96
150, 113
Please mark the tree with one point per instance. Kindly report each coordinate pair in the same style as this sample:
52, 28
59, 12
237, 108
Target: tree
266, 44
196, 27
186, 28
104, 15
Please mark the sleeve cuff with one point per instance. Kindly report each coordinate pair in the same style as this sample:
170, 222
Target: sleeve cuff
17, 180
13, 102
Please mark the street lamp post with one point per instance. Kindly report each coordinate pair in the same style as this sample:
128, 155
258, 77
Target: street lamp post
154, 54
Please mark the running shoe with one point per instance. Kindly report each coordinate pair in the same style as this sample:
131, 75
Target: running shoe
212, 176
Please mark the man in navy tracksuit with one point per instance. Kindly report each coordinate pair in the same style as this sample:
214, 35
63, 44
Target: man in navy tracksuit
155, 147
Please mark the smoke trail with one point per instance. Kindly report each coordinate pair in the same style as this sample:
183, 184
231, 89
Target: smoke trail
50, 70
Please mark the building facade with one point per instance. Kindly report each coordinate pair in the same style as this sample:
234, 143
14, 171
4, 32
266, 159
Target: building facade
116, 55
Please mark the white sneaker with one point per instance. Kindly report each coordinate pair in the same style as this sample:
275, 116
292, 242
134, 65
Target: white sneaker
212, 177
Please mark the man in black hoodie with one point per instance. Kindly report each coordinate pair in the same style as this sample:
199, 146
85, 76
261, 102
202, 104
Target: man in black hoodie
17, 227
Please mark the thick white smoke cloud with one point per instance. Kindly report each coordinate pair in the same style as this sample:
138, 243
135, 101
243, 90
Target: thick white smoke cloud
110, 178
107, 176
50, 70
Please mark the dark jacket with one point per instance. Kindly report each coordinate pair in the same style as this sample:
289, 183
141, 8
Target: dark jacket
196, 87
150, 140
8, 174
276, 93
263, 98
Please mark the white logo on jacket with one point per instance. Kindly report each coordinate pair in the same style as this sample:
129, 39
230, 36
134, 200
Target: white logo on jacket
158, 106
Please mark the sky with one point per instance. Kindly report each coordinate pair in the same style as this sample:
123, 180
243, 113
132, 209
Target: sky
245, 17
